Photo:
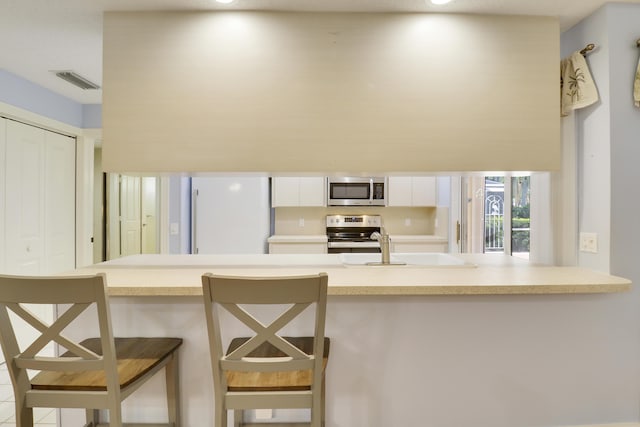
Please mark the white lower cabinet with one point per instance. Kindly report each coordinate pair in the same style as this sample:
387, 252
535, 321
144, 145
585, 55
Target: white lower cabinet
298, 248
297, 244
419, 247
418, 243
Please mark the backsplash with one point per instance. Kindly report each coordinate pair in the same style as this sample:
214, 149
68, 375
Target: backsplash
396, 220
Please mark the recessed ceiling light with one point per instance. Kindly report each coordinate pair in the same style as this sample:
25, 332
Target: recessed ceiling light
224, 1
440, 1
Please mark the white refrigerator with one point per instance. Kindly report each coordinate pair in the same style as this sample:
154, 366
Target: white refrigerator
230, 215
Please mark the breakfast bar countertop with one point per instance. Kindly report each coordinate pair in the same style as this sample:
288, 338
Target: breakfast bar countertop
482, 274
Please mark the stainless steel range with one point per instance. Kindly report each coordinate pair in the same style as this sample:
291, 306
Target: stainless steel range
352, 233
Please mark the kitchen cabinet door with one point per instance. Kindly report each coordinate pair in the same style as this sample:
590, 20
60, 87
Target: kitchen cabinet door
312, 191
412, 191
298, 248
419, 247
400, 191
423, 191
285, 192
298, 191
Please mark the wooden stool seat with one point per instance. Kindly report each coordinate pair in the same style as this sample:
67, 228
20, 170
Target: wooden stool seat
274, 381
135, 358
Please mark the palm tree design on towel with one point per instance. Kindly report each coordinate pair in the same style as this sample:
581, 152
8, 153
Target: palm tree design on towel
576, 80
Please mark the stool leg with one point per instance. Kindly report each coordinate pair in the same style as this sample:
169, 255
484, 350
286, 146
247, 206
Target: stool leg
220, 416
238, 418
173, 390
24, 415
322, 402
93, 417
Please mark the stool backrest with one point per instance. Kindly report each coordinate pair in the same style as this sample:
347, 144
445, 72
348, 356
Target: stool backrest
236, 294
77, 293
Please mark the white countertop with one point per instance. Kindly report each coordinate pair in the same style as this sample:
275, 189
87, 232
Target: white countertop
180, 275
298, 238
416, 238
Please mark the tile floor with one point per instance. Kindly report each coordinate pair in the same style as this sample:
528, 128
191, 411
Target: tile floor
43, 417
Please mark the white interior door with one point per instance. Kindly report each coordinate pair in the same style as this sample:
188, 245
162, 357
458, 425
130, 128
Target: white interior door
25, 186
130, 216
3, 165
149, 206
39, 206
60, 206
471, 231
3, 146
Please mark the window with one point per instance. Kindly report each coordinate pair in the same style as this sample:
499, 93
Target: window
494, 215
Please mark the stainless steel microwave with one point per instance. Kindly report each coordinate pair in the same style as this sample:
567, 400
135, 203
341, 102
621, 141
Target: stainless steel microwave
356, 191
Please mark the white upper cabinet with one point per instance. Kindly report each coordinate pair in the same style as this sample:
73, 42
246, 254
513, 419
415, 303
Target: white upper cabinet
298, 191
412, 191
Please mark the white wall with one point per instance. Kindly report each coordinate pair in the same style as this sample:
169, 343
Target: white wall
593, 140
608, 150
180, 214
625, 140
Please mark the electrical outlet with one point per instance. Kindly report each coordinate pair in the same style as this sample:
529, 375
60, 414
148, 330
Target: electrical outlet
589, 242
407, 222
301, 222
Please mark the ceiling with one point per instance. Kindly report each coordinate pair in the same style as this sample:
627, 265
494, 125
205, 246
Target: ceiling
37, 36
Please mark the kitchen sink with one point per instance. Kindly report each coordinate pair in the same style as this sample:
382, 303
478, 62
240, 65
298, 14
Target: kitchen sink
409, 259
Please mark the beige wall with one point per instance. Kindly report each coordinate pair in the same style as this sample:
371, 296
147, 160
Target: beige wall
422, 220
329, 92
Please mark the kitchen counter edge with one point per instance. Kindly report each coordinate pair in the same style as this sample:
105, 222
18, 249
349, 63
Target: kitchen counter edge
492, 276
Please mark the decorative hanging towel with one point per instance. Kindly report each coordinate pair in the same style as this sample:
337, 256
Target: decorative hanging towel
577, 89
636, 87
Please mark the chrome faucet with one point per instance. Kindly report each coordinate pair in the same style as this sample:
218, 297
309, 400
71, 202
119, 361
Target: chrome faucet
384, 245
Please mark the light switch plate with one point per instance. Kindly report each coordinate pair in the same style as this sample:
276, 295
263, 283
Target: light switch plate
589, 242
174, 228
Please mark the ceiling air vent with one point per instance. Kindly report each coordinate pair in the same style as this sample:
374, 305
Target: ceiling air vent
76, 79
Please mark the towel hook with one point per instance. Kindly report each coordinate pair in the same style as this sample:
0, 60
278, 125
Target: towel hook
588, 48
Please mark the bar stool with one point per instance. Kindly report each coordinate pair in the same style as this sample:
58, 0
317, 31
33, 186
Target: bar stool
267, 370
96, 373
